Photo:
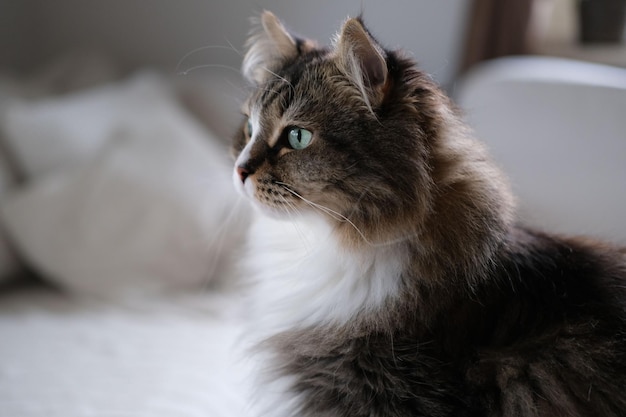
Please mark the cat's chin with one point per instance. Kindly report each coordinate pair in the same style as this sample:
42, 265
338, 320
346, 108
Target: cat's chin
248, 190
271, 212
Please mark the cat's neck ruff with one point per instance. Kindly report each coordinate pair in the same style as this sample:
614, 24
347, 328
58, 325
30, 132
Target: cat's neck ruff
304, 278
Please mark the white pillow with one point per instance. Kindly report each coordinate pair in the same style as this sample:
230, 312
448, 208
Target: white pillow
155, 210
52, 133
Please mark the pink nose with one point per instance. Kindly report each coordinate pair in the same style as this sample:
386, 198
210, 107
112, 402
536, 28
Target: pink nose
243, 173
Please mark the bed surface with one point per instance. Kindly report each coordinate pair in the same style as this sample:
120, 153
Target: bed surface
62, 356
116, 191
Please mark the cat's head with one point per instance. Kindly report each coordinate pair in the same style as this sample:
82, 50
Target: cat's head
353, 132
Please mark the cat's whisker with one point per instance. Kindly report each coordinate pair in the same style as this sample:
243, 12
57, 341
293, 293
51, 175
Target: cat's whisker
291, 209
280, 78
217, 243
326, 210
230, 44
320, 207
330, 212
341, 218
230, 47
269, 90
197, 67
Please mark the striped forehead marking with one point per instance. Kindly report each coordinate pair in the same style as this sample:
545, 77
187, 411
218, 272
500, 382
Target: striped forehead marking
272, 107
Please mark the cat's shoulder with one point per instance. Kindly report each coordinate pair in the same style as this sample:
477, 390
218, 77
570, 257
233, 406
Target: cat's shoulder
542, 281
592, 266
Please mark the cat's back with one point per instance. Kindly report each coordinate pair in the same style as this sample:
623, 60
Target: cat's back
550, 329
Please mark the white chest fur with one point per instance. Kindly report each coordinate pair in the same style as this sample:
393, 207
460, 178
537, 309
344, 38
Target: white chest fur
302, 277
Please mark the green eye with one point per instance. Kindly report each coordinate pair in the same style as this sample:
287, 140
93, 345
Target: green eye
299, 138
249, 127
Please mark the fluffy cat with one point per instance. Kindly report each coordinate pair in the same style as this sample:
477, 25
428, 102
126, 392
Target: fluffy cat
391, 276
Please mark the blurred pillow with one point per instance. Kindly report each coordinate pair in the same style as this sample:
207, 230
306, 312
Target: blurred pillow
68, 73
153, 211
51, 133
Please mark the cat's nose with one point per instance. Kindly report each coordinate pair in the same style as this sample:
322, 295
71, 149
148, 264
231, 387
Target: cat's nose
243, 173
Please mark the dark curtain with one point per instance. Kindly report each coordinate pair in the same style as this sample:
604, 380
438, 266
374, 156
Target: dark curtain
496, 28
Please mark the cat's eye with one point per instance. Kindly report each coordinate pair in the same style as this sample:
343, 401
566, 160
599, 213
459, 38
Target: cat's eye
249, 128
299, 138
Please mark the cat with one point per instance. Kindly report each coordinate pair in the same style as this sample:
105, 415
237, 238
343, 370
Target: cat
391, 275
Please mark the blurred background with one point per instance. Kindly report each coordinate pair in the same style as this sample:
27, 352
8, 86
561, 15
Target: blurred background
76, 75
445, 37
119, 225
161, 32
540, 81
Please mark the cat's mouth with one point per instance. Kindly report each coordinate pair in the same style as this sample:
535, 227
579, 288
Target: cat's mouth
274, 195
269, 196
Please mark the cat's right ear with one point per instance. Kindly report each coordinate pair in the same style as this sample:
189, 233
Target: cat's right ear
363, 60
269, 46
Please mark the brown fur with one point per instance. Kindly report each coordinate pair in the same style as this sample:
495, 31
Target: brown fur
492, 319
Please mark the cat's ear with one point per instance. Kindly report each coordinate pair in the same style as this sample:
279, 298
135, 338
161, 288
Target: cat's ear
269, 46
362, 60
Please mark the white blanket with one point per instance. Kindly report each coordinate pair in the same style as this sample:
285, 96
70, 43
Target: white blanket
63, 357
127, 207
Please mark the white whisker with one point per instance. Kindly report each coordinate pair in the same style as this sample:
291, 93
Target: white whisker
203, 48
230, 44
219, 238
341, 218
281, 78
208, 66
291, 210
330, 212
269, 90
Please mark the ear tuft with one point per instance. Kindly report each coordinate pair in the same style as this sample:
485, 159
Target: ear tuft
362, 60
268, 47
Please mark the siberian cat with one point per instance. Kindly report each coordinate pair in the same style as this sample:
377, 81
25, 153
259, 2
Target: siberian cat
392, 278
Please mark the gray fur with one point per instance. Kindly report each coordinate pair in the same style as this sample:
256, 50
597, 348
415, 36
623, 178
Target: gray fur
493, 319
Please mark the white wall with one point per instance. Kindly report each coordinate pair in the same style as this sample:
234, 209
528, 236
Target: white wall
161, 32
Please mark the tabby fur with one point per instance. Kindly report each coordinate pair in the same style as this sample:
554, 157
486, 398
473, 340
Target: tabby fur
392, 276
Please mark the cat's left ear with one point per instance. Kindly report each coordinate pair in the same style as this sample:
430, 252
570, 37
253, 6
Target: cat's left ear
363, 60
270, 47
